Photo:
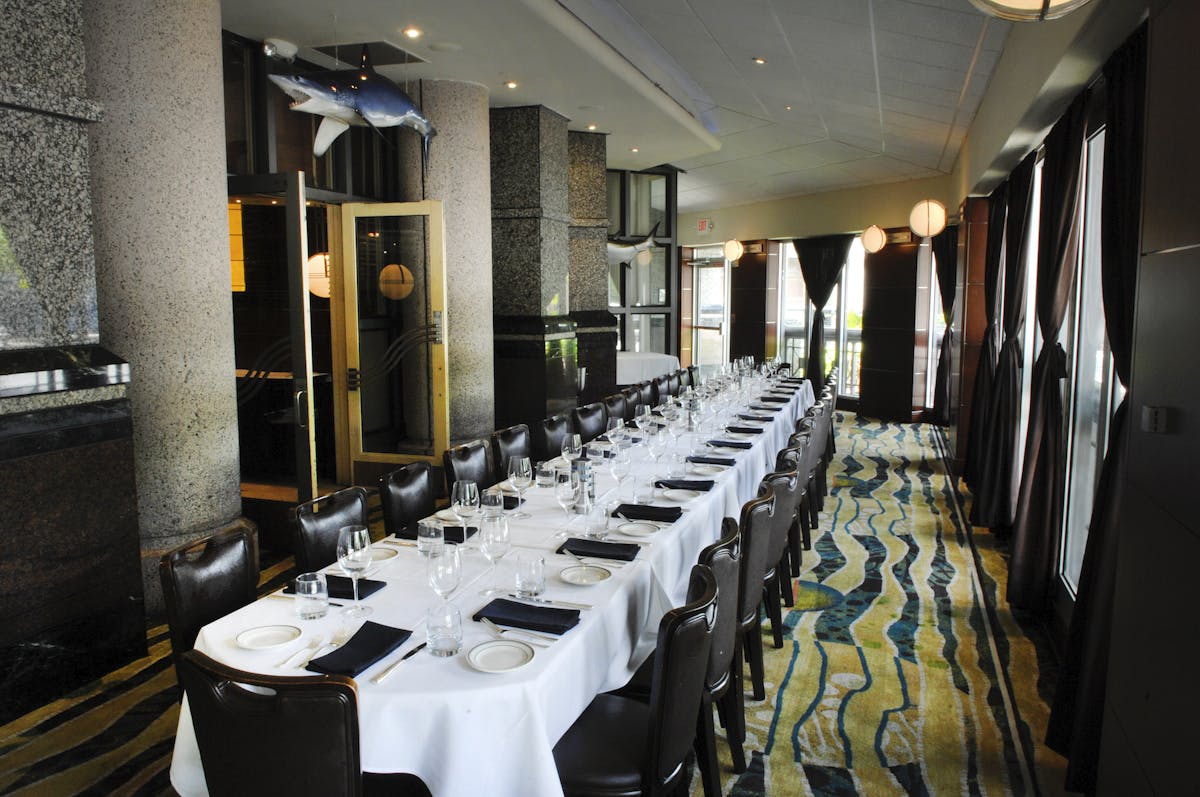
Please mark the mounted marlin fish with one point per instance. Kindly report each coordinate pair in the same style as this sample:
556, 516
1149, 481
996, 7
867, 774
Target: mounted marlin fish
623, 254
347, 97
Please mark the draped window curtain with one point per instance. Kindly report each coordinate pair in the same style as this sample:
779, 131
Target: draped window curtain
821, 260
1078, 710
992, 506
945, 254
1037, 527
985, 372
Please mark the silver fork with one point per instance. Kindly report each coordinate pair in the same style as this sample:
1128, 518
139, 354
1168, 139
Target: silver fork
338, 640
501, 632
311, 647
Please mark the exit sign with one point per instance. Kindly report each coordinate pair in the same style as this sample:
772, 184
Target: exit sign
704, 225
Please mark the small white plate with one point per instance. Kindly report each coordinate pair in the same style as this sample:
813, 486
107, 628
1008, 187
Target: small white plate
499, 655
682, 496
446, 515
381, 553
701, 469
267, 636
637, 529
741, 435
585, 575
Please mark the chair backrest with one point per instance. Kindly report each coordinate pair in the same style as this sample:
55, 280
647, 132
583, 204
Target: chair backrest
508, 443
633, 397
407, 494
786, 487
674, 384
685, 378
723, 557
662, 388
548, 437
589, 420
614, 406
207, 579
755, 529
472, 462
680, 663
646, 391
694, 374
316, 525
289, 736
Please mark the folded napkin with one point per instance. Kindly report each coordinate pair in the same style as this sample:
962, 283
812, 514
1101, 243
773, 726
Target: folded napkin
369, 644
597, 453
744, 429
795, 380
748, 417
619, 551
341, 588
700, 460
732, 443
455, 533
774, 399
663, 514
702, 485
511, 501
546, 619
760, 408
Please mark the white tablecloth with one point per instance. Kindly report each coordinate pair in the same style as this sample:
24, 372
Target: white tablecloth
467, 733
640, 366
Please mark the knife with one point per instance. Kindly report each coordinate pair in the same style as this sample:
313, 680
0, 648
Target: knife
378, 679
546, 602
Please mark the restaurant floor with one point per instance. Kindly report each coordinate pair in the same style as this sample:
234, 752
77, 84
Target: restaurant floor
902, 672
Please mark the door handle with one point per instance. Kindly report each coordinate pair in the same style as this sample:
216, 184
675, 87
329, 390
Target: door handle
300, 408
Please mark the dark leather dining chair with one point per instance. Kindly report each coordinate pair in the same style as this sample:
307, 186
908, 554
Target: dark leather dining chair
614, 406
295, 736
685, 379
633, 397
797, 456
755, 524
316, 524
589, 421
621, 747
776, 581
548, 437
662, 388
674, 384
694, 373
207, 579
646, 393
470, 462
407, 494
512, 441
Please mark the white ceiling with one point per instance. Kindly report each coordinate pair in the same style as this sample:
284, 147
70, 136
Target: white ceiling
880, 90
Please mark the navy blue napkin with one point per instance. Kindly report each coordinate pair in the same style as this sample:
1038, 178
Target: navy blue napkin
701, 460
341, 588
744, 429
748, 417
732, 443
760, 408
663, 514
774, 399
703, 485
455, 533
546, 619
368, 645
618, 551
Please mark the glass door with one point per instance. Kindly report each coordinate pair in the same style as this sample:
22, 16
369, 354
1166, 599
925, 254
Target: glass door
397, 400
710, 345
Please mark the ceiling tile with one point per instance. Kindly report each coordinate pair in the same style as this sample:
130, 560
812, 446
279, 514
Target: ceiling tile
819, 153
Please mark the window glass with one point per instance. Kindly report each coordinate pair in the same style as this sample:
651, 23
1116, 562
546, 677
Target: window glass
851, 287
1030, 334
648, 282
793, 332
648, 332
614, 203
648, 204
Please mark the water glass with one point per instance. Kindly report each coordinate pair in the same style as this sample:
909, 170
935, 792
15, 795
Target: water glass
491, 503
312, 596
430, 537
596, 522
531, 574
643, 491
677, 467
545, 474
443, 630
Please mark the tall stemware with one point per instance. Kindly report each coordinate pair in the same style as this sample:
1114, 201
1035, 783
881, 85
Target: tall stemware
354, 557
572, 447
520, 476
444, 570
464, 503
566, 492
494, 544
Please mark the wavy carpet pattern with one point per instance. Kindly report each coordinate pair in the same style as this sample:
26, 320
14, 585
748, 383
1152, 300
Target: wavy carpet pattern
902, 672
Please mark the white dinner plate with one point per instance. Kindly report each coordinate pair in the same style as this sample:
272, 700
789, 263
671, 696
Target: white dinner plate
267, 636
446, 515
499, 655
637, 529
681, 496
700, 469
585, 575
381, 553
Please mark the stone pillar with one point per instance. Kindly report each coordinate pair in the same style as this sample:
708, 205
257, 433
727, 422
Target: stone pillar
459, 174
535, 336
162, 259
596, 327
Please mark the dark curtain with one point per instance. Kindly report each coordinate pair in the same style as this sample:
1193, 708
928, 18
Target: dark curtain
821, 261
1078, 710
992, 506
985, 370
945, 255
1037, 527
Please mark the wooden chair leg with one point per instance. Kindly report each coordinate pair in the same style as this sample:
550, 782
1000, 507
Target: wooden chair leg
806, 524
784, 572
794, 544
705, 746
733, 703
752, 640
774, 613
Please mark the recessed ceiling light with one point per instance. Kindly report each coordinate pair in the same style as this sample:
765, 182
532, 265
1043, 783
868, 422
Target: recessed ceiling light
787, 107
591, 127
758, 60
412, 32
633, 149
512, 84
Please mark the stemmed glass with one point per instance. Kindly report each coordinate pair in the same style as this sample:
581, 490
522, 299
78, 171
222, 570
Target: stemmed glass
493, 543
444, 570
464, 503
566, 492
615, 432
354, 557
657, 445
619, 466
520, 476
572, 447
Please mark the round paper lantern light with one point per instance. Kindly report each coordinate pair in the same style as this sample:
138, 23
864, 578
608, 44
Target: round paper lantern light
873, 238
396, 281
734, 250
928, 218
318, 275
1028, 10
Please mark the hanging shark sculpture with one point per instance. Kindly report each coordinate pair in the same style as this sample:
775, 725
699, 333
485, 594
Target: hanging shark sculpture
347, 97
623, 254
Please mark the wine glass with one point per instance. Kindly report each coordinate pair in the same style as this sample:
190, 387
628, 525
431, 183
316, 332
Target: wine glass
615, 432
572, 447
493, 543
464, 503
619, 466
657, 445
444, 569
520, 476
354, 557
566, 492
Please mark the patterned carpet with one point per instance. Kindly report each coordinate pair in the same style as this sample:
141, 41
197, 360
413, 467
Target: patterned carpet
902, 672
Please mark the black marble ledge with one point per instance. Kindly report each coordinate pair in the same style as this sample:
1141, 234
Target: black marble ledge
30, 372
531, 327
593, 321
29, 98
43, 431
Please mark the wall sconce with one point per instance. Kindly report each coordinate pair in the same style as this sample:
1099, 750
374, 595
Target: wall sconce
928, 218
734, 250
1028, 10
873, 238
318, 275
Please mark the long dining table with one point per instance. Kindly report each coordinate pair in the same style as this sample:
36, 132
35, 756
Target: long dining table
465, 732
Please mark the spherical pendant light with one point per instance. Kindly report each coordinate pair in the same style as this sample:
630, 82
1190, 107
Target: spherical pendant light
396, 281
318, 275
873, 238
1028, 10
928, 218
734, 250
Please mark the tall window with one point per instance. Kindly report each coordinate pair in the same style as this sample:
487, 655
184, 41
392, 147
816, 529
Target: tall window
643, 294
1031, 335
